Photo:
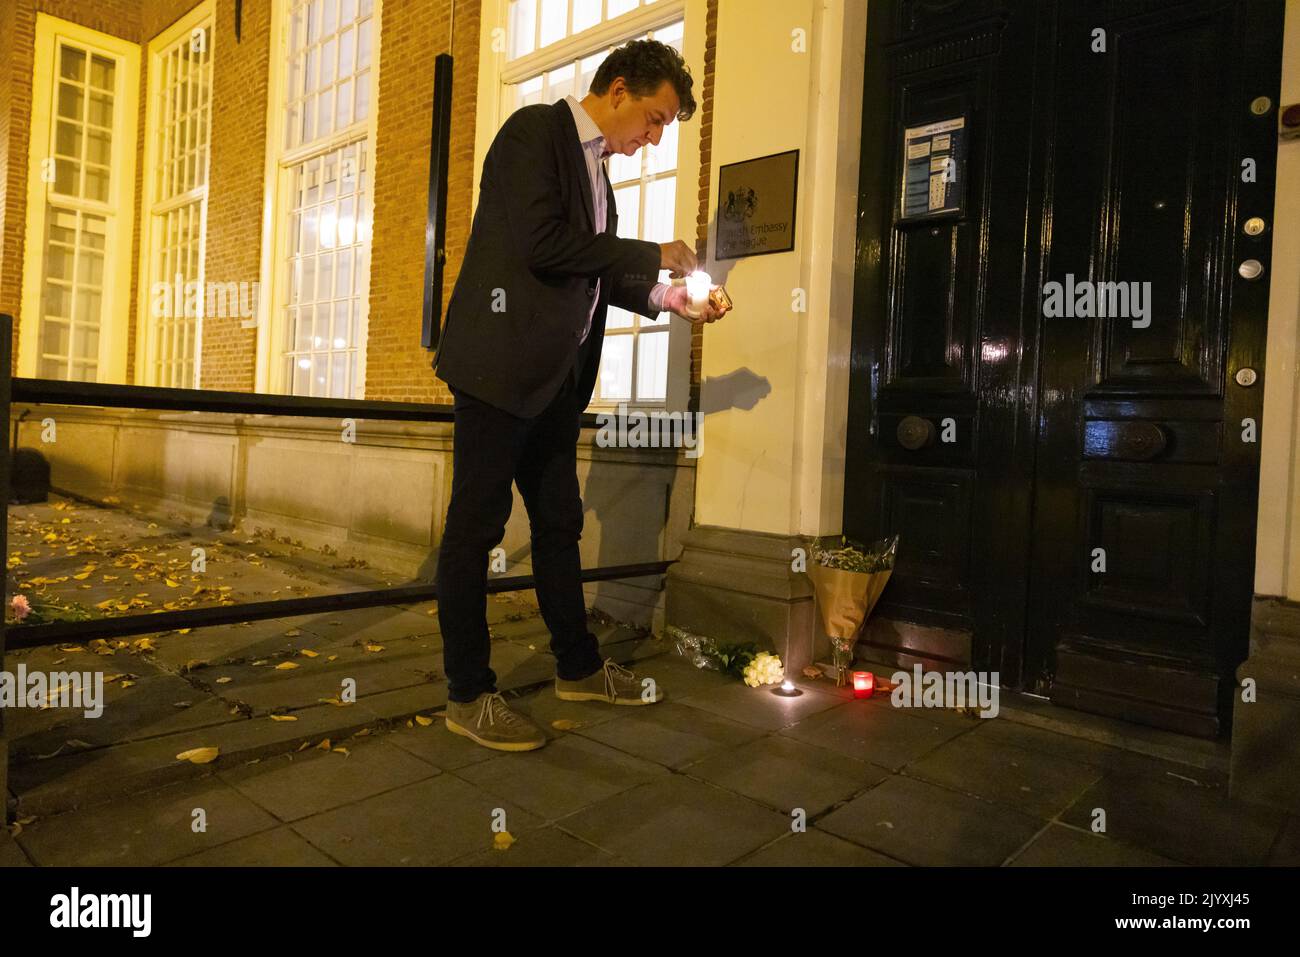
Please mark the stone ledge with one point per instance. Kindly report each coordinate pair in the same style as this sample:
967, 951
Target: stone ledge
1265, 746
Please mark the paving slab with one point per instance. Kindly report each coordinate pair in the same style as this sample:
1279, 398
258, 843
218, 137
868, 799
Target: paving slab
1208, 827
679, 679
278, 847
677, 821
884, 736
1286, 849
785, 774
11, 854
758, 706
561, 778
670, 734
1003, 731
1039, 784
266, 689
1060, 846
813, 848
438, 746
545, 847
430, 822
145, 829
926, 825
294, 786
544, 709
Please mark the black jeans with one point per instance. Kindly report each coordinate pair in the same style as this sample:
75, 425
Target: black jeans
492, 448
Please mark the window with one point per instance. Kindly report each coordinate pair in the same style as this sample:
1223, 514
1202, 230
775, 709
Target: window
634, 361
82, 172
178, 135
325, 196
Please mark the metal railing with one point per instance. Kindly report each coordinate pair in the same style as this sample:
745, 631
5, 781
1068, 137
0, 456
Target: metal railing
57, 392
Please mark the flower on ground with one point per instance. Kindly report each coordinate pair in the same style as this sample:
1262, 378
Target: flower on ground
20, 607
765, 669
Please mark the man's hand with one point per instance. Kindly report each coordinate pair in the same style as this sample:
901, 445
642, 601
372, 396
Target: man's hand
677, 257
676, 302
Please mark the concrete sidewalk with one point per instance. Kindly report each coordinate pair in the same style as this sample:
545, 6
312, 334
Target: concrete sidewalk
711, 776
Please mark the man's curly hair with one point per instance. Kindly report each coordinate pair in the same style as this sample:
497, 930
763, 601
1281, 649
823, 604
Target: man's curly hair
644, 65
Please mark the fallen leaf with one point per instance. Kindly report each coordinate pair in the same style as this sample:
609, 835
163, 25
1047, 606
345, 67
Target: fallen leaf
324, 745
199, 755
286, 666
502, 841
564, 724
293, 633
225, 681
283, 717
308, 653
343, 751
374, 648
422, 721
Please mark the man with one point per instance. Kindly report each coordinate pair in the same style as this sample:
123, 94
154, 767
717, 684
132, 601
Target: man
520, 352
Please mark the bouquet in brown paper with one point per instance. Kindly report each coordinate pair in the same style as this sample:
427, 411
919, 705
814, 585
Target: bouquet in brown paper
847, 580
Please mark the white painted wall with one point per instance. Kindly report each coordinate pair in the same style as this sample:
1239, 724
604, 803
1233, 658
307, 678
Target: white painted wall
1277, 543
775, 382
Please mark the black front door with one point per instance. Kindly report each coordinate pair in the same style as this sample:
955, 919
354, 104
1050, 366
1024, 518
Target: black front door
1056, 388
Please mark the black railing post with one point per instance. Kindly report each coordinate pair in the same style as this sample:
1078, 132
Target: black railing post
6, 356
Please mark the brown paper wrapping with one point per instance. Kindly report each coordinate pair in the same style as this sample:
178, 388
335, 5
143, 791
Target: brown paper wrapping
846, 598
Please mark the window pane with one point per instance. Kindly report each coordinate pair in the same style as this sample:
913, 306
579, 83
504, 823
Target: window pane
616, 369
72, 64
627, 200
660, 200
530, 92
523, 27
651, 366
624, 168
671, 35
620, 7
588, 66
617, 318
586, 13
555, 15
664, 156
559, 83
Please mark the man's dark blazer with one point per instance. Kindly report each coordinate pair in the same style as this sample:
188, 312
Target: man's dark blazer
521, 300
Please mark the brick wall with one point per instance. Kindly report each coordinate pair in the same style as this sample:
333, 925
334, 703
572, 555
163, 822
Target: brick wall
413, 35
236, 171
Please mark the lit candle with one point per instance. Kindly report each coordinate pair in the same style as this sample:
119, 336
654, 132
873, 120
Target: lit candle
697, 291
864, 682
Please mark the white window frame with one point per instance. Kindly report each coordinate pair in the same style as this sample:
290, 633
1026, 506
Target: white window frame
497, 74
277, 187
115, 324
203, 14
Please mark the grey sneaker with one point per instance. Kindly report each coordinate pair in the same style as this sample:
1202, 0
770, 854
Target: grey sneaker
488, 720
612, 684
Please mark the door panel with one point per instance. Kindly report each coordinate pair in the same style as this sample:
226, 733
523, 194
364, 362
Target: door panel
1072, 437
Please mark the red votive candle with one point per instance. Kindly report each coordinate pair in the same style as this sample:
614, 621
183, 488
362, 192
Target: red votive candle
864, 682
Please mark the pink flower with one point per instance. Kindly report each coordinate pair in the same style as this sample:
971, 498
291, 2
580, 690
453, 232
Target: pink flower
20, 607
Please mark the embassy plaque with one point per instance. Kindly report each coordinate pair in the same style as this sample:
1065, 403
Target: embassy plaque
756, 206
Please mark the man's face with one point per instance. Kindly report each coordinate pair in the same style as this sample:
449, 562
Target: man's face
636, 121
